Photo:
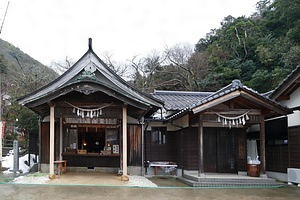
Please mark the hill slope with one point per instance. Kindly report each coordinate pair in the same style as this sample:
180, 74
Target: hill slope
20, 73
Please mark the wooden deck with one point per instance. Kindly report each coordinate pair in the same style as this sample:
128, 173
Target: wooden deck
227, 180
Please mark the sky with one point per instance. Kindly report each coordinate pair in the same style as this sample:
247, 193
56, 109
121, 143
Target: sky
51, 30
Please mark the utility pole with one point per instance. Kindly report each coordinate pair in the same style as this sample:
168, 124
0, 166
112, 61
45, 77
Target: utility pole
1, 123
4, 17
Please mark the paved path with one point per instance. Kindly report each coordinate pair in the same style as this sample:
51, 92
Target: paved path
45, 192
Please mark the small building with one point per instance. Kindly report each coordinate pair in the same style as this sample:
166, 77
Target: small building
91, 117
283, 142
97, 121
208, 131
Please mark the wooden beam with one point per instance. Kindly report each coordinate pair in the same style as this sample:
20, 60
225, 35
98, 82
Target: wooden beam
263, 103
234, 111
216, 101
283, 97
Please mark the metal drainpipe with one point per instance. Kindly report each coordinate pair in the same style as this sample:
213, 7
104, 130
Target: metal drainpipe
40, 144
181, 134
142, 122
144, 148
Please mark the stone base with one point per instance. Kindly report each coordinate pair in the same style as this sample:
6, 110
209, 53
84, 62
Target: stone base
125, 178
263, 176
52, 176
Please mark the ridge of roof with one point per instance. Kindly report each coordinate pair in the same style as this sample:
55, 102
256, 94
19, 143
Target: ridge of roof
283, 82
90, 57
173, 92
233, 86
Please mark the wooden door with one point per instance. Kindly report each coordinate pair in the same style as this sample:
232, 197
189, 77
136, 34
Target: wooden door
210, 150
226, 148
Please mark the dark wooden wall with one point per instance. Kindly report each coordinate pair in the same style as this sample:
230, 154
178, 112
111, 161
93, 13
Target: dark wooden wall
45, 142
182, 148
91, 161
134, 145
281, 157
190, 149
161, 152
187, 149
277, 158
294, 146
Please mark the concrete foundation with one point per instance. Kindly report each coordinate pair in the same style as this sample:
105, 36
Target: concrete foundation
134, 170
278, 176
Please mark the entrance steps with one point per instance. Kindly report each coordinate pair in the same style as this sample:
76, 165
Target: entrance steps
228, 180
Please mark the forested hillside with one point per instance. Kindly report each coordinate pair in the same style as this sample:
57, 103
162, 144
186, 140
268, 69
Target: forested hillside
260, 50
20, 74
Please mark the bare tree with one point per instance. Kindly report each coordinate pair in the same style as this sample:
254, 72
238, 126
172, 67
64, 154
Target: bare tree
188, 66
121, 69
61, 66
145, 69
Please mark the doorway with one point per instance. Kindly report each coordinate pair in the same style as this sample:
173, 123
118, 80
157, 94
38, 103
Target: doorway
91, 139
220, 150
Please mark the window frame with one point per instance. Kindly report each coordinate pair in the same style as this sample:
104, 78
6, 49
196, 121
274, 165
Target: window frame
159, 135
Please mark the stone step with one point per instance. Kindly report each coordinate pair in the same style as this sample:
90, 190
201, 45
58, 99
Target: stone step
229, 179
229, 183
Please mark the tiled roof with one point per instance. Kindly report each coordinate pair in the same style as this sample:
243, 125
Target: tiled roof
179, 100
210, 96
288, 85
236, 84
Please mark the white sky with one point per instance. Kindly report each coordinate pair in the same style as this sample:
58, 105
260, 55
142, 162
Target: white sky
50, 30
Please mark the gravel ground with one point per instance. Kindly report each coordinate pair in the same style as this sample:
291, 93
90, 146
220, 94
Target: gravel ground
140, 181
42, 178
36, 178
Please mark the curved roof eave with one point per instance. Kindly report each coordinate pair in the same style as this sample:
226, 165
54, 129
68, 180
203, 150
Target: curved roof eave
121, 85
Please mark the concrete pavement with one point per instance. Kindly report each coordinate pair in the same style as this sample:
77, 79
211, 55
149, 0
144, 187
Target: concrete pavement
45, 192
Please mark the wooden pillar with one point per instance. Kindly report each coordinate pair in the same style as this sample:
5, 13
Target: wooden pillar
200, 147
51, 157
60, 138
262, 147
124, 126
40, 144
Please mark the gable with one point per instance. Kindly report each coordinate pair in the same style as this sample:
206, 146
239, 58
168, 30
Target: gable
287, 87
90, 74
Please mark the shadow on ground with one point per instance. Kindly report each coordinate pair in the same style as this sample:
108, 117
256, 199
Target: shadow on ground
166, 181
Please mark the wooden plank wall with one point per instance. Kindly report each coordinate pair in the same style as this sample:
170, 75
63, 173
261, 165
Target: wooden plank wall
161, 152
92, 161
242, 150
210, 150
191, 148
45, 142
281, 157
134, 144
190, 141
294, 146
277, 158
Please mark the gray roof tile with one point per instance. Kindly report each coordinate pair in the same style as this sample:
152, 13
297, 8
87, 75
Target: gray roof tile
179, 100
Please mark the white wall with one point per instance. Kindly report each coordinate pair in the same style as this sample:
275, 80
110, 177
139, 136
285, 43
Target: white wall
294, 101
